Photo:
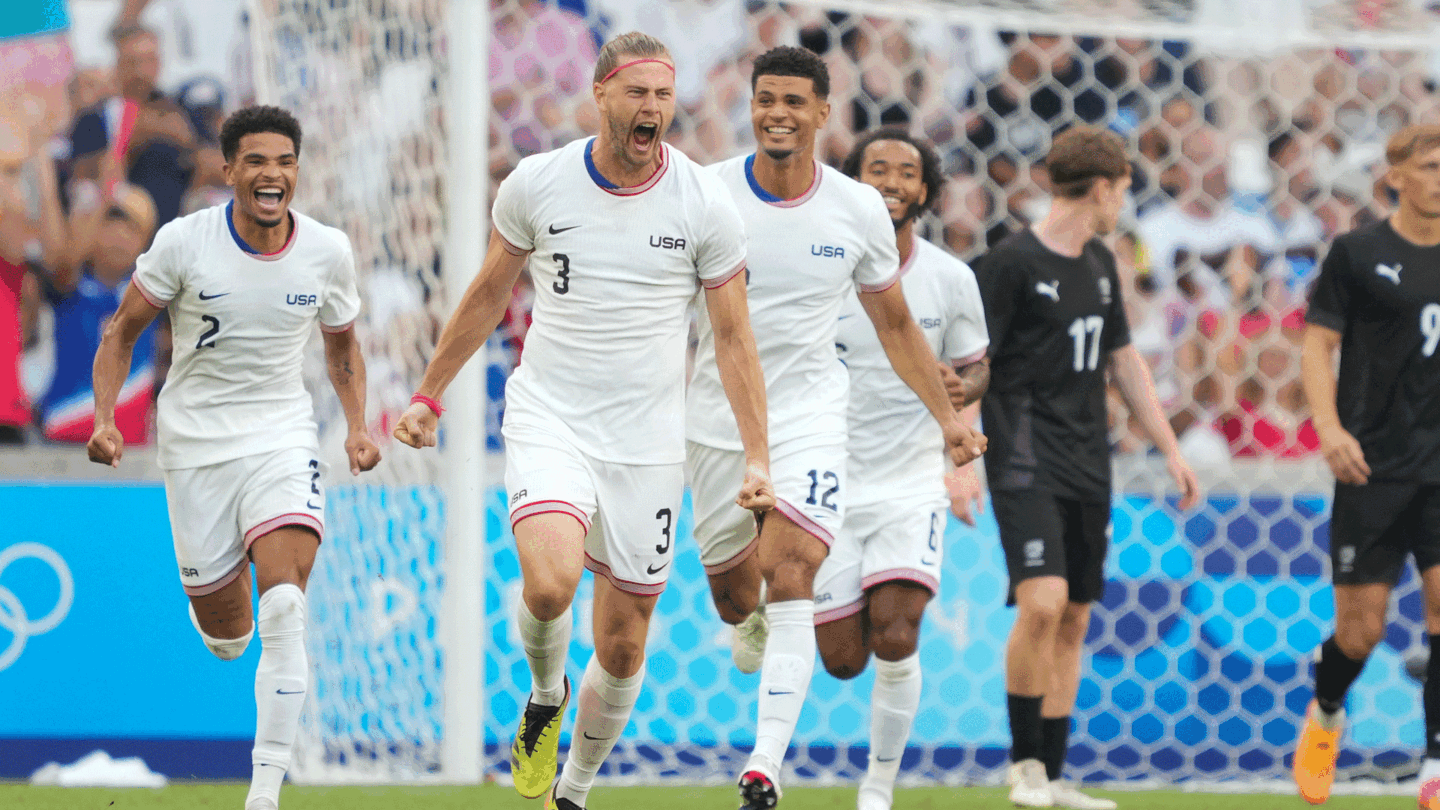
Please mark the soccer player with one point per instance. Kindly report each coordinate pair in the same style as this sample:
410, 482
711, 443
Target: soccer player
884, 566
1378, 301
814, 234
620, 232
245, 284
1052, 302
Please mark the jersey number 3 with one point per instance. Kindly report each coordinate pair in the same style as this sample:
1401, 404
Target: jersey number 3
562, 285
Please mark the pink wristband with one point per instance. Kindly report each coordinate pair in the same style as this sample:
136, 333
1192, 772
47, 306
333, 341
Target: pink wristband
428, 402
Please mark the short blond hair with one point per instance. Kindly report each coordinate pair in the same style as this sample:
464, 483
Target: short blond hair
635, 44
1410, 141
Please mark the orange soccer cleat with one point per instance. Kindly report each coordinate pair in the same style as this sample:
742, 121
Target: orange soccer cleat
1316, 752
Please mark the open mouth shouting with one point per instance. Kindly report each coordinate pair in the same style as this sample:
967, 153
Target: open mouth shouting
644, 137
269, 201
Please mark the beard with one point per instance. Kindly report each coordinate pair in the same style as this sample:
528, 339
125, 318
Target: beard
778, 154
912, 213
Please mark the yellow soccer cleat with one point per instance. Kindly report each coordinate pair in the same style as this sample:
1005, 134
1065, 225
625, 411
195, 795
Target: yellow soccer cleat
535, 754
552, 803
1316, 752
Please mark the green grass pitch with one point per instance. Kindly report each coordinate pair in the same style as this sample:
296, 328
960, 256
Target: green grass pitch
494, 797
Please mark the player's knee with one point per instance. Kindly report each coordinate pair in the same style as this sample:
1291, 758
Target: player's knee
550, 598
282, 611
226, 649
730, 610
846, 662
895, 639
1358, 636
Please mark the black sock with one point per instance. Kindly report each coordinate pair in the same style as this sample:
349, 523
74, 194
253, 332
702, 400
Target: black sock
1333, 676
1025, 730
1432, 700
1056, 734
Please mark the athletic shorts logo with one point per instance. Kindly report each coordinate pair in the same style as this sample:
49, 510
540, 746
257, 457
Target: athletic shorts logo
652, 570
822, 597
15, 616
1034, 553
1104, 284
1347, 559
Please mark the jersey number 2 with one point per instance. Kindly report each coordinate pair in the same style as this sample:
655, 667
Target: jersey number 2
210, 333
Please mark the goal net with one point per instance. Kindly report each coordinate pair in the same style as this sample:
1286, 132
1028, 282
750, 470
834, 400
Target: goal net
1257, 132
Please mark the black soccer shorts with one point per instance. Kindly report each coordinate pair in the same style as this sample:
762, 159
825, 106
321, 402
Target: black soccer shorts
1373, 527
1045, 535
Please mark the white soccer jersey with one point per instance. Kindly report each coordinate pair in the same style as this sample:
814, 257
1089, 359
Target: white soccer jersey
805, 257
894, 442
240, 322
615, 271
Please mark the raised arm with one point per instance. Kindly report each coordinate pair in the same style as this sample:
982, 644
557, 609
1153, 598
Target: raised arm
112, 366
479, 312
739, 365
1137, 388
913, 361
346, 366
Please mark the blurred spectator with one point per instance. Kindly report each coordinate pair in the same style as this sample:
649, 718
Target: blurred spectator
82, 301
1268, 417
542, 60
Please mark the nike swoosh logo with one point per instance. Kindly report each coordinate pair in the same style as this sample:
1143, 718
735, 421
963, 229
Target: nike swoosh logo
927, 562
652, 570
283, 692
311, 505
891, 759
782, 692
204, 297
554, 230
843, 317
587, 736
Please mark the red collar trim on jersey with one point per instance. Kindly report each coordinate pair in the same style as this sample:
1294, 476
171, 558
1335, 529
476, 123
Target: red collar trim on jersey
910, 262
252, 252
771, 199
625, 191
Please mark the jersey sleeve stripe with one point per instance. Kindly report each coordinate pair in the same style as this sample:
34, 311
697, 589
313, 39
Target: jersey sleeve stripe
335, 330
534, 508
973, 357
206, 590
150, 298
637, 588
510, 247
721, 281
804, 522
835, 614
901, 575
281, 521
725, 565
882, 286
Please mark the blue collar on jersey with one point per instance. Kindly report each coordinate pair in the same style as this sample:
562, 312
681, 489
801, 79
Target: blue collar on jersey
245, 246
755, 184
594, 172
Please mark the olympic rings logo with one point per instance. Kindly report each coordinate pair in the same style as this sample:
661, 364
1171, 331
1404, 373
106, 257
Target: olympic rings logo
13, 616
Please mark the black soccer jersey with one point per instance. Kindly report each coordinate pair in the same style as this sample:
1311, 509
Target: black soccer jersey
1382, 294
1053, 321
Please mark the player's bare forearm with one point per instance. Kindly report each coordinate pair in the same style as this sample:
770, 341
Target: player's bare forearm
117, 345
1137, 388
1317, 374
346, 366
974, 381
905, 346
479, 312
738, 362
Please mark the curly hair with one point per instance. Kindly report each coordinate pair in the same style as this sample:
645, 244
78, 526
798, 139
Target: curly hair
930, 173
254, 120
788, 60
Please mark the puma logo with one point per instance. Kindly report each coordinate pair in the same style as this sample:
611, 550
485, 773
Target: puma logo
1050, 290
1392, 273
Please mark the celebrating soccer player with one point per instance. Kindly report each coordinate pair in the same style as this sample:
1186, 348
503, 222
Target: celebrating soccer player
245, 284
814, 234
1378, 301
1052, 302
884, 566
620, 231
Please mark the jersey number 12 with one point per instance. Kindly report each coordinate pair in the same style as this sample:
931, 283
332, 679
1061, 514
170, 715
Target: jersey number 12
1079, 330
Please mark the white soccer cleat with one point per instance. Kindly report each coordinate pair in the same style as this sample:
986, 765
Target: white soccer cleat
747, 646
262, 803
1030, 785
875, 795
1067, 795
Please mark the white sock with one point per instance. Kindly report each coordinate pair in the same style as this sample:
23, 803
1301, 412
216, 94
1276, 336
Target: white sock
547, 645
280, 684
603, 705
893, 703
784, 681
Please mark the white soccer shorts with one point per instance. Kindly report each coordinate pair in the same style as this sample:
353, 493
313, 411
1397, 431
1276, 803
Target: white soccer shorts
629, 511
881, 541
809, 481
217, 511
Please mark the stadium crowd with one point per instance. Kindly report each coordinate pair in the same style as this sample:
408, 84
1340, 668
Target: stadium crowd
1245, 167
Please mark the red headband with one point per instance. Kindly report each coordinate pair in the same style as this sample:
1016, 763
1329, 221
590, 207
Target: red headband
636, 62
